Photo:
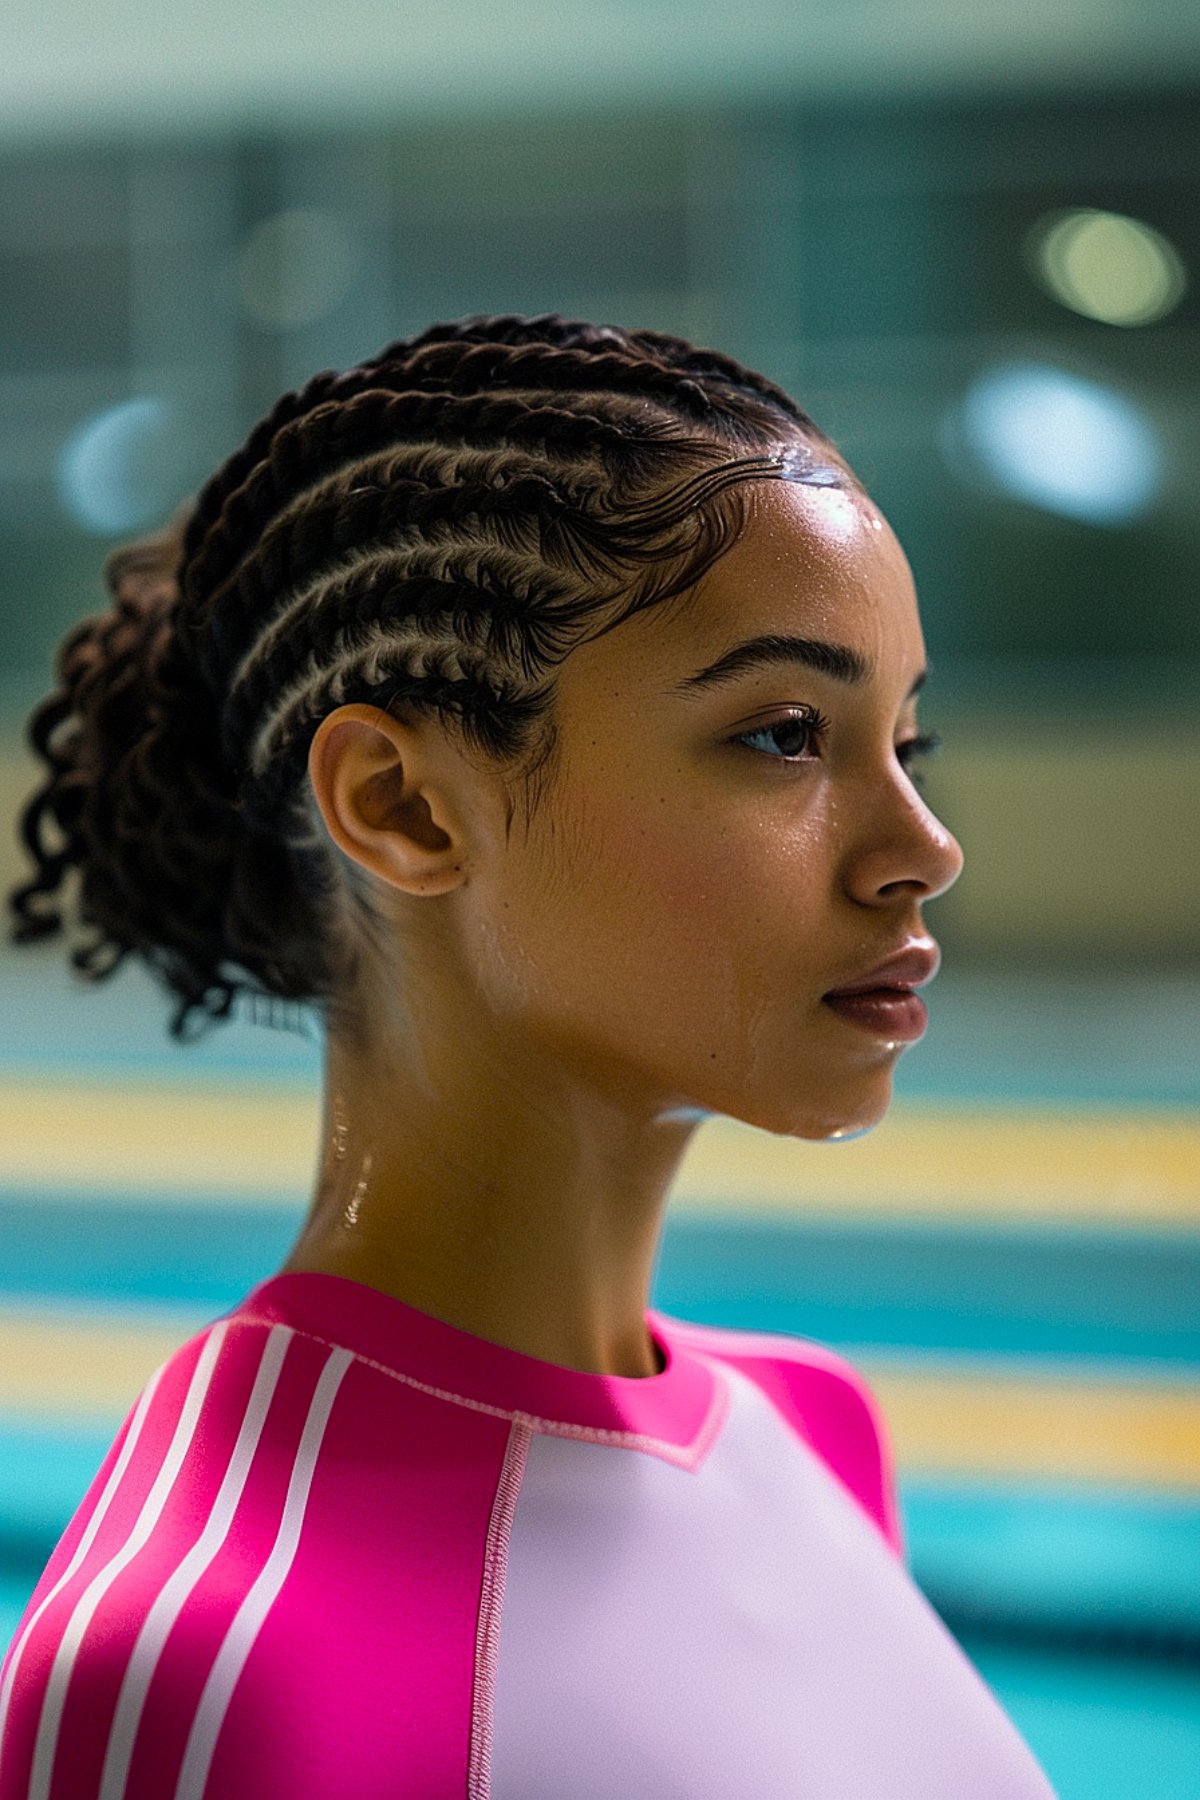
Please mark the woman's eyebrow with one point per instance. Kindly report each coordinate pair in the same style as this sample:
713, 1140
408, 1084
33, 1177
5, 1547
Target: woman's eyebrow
836, 660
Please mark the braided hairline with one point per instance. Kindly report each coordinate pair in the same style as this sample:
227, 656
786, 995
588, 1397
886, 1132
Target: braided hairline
436, 580
436, 645
379, 416
438, 664
434, 488
458, 480
461, 364
409, 648
331, 514
463, 567
641, 347
447, 576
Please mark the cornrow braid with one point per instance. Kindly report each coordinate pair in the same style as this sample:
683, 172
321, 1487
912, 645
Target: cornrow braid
336, 434
551, 328
432, 531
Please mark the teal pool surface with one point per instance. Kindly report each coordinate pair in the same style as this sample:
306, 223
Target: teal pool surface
1105, 1726
1023, 1289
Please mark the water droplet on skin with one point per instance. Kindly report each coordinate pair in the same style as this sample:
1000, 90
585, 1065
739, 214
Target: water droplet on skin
350, 1215
845, 1137
340, 1129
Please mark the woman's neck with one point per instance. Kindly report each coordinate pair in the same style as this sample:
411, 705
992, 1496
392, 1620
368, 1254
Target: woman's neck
520, 1209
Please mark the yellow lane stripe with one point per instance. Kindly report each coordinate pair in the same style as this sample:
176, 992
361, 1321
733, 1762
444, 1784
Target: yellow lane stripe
1095, 1165
80, 1367
943, 1421
156, 1143
948, 1422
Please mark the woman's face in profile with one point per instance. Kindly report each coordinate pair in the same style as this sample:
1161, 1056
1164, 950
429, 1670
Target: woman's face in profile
706, 867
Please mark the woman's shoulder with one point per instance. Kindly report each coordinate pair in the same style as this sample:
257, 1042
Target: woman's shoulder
134, 1644
822, 1396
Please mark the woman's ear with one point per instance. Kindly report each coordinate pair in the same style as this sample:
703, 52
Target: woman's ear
387, 798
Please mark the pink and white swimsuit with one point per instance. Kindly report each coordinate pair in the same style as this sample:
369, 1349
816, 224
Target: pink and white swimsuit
341, 1550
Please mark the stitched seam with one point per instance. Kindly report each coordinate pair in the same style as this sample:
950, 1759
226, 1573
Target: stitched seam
593, 1434
718, 1412
491, 1601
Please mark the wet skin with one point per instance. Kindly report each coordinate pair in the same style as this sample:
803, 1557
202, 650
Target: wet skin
558, 1009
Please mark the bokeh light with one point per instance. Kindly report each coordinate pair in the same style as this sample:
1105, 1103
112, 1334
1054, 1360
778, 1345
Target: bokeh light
1058, 441
122, 468
296, 266
1106, 265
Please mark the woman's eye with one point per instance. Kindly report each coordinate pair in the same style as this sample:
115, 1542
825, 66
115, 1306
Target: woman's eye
792, 735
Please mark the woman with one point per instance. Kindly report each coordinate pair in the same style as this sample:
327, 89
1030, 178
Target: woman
538, 702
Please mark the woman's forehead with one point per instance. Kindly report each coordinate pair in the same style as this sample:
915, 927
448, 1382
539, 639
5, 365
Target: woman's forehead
805, 524
817, 563
807, 559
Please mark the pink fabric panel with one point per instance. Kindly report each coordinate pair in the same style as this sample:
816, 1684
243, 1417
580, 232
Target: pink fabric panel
32, 1652
824, 1399
196, 1636
360, 1680
736, 1631
361, 1676
104, 1651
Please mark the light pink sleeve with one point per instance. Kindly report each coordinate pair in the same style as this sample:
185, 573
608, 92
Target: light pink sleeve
826, 1401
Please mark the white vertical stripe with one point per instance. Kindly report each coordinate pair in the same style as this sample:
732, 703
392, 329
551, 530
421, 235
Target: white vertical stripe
170, 1602
86, 1541
55, 1695
247, 1622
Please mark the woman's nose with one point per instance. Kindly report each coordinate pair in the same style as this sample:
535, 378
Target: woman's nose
915, 851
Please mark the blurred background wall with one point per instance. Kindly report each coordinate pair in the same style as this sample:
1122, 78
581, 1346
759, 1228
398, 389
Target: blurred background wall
967, 240
980, 288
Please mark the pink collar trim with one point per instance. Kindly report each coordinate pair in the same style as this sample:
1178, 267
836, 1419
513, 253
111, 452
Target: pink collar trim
672, 1406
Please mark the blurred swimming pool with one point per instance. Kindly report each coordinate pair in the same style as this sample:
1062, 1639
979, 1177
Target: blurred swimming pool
1012, 1258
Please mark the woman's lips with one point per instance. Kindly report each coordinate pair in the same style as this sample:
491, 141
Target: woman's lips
888, 1012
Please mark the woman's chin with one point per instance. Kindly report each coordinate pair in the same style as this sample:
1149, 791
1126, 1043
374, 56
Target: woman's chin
858, 1109
813, 1104
829, 1124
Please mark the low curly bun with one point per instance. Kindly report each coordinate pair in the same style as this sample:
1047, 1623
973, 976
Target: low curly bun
146, 810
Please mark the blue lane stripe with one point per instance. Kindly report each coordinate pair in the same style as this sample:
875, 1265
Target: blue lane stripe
1034, 1292
1058, 1557
1037, 1291
203, 1255
45, 1470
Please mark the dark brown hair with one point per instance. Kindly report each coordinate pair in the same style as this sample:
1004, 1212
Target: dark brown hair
431, 531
